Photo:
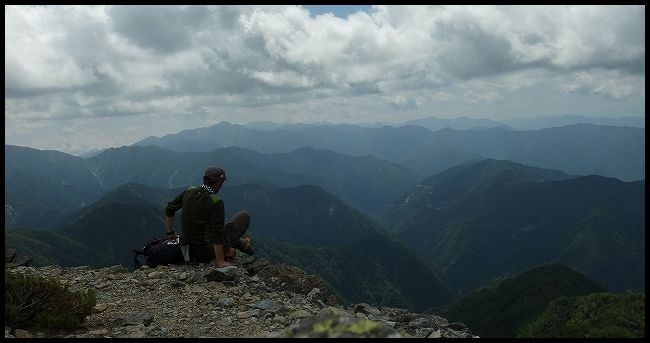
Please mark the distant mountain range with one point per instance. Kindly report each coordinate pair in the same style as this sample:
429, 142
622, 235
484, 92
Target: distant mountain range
465, 123
306, 219
365, 182
460, 123
581, 149
504, 307
430, 123
42, 187
543, 122
494, 218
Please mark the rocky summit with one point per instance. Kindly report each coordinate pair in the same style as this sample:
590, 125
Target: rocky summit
253, 298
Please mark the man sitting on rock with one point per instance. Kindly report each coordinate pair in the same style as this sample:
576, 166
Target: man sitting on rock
202, 220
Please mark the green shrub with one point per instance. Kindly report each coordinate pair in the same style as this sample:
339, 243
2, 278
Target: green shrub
44, 304
597, 315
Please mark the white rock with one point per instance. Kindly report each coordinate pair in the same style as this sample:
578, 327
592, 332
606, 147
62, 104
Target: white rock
19, 333
435, 334
155, 275
99, 332
100, 308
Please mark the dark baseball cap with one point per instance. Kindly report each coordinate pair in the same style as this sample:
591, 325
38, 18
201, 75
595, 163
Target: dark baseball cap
213, 174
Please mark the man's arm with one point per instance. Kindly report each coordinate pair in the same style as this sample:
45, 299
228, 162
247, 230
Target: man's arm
171, 208
169, 224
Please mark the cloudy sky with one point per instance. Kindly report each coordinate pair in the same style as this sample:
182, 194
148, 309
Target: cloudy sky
82, 77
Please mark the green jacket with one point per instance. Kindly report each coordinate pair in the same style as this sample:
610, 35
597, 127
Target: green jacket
202, 220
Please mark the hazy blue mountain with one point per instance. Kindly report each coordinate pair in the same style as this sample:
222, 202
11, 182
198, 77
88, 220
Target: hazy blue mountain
264, 125
505, 306
365, 182
342, 138
271, 126
534, 123
581, 149
43, 186
403, 145
576, 149
90, 153
304, 224
543, 122
431, 123
225, 134
495, 218
159, 167
459, 123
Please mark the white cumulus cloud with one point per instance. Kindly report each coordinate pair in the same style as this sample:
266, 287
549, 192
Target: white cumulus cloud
223, 62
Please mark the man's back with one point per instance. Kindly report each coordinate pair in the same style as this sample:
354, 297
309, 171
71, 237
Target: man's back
201, 218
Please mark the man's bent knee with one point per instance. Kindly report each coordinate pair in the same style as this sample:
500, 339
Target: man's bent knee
243, 217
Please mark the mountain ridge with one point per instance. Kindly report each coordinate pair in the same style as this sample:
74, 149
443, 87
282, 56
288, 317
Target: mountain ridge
591, 223
36, 199
575, 149
502, 308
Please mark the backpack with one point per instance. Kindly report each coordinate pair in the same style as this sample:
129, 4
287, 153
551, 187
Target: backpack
160, 251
